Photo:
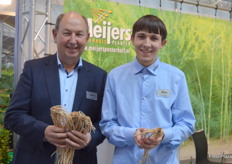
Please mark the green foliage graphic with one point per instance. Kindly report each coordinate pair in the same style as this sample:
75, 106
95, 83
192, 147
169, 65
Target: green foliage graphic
200, 46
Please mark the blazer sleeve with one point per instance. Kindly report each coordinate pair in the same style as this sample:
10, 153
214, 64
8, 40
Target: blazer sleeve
20, 116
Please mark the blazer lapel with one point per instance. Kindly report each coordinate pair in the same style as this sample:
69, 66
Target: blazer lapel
52, 80
81, 88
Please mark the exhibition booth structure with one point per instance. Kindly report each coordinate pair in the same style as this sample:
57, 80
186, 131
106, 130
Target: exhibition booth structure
198, 42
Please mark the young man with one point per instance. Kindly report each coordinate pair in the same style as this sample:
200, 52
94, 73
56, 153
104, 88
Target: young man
146, 94
61, 79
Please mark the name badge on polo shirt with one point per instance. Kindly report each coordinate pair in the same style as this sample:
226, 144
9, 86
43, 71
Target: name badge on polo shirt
91, 95
163, 92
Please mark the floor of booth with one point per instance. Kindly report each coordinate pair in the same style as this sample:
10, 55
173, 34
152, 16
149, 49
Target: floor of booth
218, 151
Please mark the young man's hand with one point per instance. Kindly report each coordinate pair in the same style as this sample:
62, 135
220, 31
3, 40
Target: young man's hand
145, 142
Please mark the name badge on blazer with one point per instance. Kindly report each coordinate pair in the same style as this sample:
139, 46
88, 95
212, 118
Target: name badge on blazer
91, 95
163, 92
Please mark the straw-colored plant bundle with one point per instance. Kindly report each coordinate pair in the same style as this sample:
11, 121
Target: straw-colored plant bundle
149, 133
73, 121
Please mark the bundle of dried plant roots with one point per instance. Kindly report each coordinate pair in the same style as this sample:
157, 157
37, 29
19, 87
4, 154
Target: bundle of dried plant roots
73, 121
149, 133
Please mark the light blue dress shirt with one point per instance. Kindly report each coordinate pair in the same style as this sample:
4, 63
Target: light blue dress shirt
68, 83
156, 96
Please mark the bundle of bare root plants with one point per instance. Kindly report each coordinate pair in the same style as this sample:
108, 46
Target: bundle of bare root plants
73, 121
149, 133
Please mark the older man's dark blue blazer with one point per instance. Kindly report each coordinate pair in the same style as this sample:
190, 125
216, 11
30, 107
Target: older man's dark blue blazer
28, 115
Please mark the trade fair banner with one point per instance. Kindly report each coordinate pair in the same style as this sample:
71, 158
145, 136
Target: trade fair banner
200, 46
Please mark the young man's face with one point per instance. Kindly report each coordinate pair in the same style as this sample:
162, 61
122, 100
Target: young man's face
147, 46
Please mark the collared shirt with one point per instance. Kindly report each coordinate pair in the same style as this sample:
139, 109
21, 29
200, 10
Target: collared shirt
135, 97
68, 83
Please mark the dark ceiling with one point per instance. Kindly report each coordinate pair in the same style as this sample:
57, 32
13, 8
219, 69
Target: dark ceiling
10, 20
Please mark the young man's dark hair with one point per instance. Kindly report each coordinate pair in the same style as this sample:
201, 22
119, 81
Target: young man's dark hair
151, 24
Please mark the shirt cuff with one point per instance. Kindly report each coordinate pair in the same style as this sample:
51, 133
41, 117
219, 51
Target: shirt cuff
168, 134
129, 135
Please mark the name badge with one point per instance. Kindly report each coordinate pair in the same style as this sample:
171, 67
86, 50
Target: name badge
91, 95
163, 93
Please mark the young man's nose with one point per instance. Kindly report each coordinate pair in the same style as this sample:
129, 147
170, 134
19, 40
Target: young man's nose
147, 42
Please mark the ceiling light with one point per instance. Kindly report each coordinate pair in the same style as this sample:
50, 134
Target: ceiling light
5, 2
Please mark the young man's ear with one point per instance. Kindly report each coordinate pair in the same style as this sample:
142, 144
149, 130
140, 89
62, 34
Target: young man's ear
88, 36
132, 39
163, 43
